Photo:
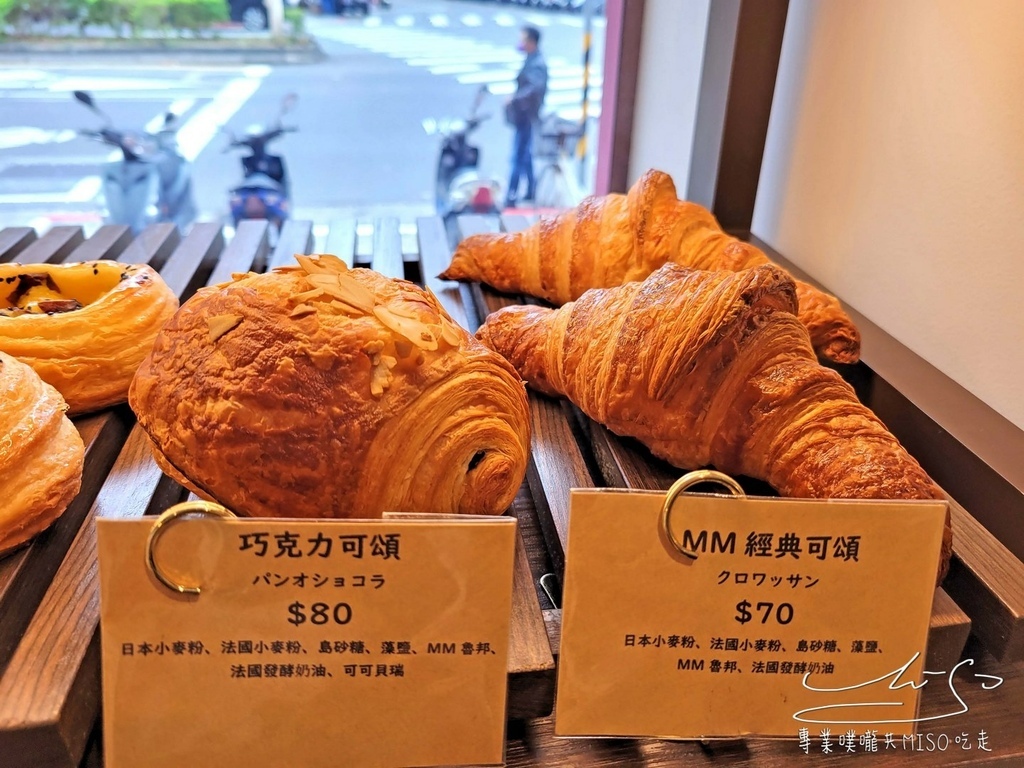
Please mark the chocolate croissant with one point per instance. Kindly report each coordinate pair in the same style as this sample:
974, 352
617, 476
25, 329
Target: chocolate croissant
318, 391
41, 454
611, 240
713, 368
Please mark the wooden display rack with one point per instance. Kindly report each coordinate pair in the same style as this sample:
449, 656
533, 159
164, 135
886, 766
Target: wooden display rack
49, 613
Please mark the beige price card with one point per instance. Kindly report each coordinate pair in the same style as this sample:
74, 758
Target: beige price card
312, 643
794, 614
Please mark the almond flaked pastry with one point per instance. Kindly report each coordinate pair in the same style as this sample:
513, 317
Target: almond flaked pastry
333, 389
302, 310
345, 289
404, 347
305, 296
448, 332
381, 376
318, 264
413, 330
345, 309
221, 324
312, 266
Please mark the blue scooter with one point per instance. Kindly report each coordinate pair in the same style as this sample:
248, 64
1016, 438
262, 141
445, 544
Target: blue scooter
265, 191
151, 181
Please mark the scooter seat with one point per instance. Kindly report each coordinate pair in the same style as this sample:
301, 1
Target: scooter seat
259, 181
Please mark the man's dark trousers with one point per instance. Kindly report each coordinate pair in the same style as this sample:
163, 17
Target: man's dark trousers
522, 162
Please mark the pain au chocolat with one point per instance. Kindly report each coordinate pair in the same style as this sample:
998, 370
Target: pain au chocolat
319, 391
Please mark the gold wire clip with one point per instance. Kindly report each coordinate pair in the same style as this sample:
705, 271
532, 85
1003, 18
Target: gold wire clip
169, 516
679, 486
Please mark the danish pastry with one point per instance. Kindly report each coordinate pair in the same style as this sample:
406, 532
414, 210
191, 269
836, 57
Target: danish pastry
319, 391
84, 327
41, 454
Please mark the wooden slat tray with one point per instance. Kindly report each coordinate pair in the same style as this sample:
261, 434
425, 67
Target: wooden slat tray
49, 612
49, 665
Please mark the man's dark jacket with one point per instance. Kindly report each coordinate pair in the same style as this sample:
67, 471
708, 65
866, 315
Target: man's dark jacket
531, 85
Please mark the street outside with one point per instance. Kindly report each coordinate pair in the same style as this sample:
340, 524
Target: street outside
366, 115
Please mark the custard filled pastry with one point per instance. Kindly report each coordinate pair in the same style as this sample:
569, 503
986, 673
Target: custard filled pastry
85, 327
611, 240
319, 391
713, 368
41, 454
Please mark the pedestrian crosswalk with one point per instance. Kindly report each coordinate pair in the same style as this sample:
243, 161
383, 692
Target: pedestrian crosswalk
475, 20
437, 49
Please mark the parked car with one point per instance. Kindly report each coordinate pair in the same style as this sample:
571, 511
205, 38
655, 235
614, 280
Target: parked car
253, 13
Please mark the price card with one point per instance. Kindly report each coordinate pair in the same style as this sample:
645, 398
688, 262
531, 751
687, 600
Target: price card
794, 614
312, 643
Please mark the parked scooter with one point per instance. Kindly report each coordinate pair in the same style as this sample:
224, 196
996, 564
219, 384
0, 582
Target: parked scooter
459, 187
265, 191
151, 181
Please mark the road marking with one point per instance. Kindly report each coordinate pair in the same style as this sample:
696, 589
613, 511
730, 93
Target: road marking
23, 135
405, 21
85, 190
538, 21
439, 20
571, 21
373, 21
470, 61
471, 20
505, 20
204, 125
94, 84
178, 107
497, 75
496, 57
455, 69
22, 74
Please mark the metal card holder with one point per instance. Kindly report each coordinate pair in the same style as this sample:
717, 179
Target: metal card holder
679, 487
178, 511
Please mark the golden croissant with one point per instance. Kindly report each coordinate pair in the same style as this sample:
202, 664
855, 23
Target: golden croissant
713, 368
611, 240
84, 327
318, 391
41, 454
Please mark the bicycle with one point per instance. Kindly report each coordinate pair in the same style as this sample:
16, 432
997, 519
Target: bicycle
555, 146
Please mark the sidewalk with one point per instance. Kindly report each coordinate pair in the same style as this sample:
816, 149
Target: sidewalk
227, 44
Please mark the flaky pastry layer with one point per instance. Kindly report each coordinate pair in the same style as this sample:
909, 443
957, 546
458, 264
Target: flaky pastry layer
89, 354
41, 454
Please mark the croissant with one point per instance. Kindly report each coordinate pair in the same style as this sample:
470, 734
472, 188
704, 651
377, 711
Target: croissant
41, 454
611, 240
713, 368
318, 391
83, 327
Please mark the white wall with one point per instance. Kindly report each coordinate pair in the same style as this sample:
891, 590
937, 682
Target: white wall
668, 84
894, 174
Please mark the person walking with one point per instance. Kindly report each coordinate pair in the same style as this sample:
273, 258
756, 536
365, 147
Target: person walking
522, 111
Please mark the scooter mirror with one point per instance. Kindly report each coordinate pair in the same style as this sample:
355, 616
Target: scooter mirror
85, 98
169, 118
478, 100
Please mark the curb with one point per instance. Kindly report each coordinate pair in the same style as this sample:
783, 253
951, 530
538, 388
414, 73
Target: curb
29, 53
